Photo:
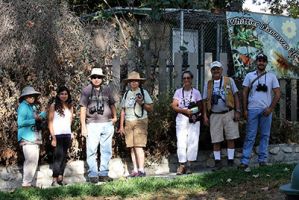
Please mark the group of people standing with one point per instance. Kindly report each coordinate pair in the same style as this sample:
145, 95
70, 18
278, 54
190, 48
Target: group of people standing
219, 108
97, 116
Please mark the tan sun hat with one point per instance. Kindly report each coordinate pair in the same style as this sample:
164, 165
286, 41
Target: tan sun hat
28, 90
134, 76
97, 72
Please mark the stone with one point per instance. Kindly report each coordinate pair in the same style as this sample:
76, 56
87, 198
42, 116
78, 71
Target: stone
297, 150
274, 150
287, 149
210, 163
116, 168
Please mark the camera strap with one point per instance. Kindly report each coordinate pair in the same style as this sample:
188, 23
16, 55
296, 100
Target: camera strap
184, 96
256, 78
142, 109
219, 88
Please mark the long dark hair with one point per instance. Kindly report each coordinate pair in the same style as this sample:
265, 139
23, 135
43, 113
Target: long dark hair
58, 104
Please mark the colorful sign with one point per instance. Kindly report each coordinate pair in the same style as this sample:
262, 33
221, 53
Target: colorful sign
275, 36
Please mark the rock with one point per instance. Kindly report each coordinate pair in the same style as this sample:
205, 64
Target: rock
116, 168
274, 150
287, 149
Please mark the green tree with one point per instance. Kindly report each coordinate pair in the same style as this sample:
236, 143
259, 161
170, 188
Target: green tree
280, 6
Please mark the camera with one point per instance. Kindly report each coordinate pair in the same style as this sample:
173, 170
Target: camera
195, 112
139, 96
215, 98
98, 109
261, 88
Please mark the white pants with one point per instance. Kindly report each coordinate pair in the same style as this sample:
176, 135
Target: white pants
31, 155
187, 139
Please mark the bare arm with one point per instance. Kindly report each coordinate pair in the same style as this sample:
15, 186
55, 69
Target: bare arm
275, 100
245, 101
50, 124
148, 107
237, 107
113, 111
176, 108
83, 120
121, 122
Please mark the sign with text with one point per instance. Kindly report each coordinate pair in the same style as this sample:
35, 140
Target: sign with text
275, 36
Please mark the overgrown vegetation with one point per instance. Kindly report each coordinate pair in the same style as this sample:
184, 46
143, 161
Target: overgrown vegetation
261, 183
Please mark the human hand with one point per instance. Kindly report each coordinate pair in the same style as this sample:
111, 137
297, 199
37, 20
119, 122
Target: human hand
245, 114
84, 131
114, 120
236, 116
53, 141
139, 99
206, 120
121, 131
267, 112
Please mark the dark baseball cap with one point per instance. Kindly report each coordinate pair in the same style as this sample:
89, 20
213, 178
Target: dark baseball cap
262, 56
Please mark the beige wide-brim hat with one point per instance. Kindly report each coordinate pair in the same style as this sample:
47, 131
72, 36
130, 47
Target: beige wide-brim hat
96, 72
134, 76
28, 90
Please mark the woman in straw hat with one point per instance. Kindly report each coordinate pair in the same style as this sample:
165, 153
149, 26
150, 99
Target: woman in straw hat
28, 135
135, 104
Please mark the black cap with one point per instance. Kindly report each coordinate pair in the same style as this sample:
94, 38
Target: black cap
262, 56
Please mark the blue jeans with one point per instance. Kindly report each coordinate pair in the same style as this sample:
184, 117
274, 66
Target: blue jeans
256, 120
99, 134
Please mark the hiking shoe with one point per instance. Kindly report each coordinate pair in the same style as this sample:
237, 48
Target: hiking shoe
141, 174
133, 174
105, 179
181, 170
244, 167
230, 163
218, 165
55, 184
94, 179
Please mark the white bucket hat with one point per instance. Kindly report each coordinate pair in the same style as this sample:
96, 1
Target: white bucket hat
97, 72
134, 76
28, 90
216, 64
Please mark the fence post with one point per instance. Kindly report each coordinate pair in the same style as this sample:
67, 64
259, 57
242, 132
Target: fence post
282, 101
293, 99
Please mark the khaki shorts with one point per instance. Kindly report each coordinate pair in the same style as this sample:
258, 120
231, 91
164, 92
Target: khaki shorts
220, 122
136, 133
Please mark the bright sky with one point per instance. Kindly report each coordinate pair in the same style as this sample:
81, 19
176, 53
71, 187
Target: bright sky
262, 8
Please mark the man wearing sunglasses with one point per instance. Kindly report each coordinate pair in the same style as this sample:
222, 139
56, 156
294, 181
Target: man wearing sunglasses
97, 116
221, 112
258, 106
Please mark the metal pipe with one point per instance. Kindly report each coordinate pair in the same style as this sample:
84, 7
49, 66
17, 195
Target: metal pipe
182, 28
218, 43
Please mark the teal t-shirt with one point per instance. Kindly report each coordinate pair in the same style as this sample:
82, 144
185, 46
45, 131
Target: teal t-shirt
132, 107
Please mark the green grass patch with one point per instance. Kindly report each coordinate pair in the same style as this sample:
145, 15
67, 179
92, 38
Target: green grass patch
152, 186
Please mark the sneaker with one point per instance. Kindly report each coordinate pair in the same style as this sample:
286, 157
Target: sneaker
141, 174
133, 174
181, 170
230, 163
218, 165
55, 184
105, 179
244, 167
94, 179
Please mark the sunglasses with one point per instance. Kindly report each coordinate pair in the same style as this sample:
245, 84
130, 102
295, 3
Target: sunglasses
187, 78
96, 77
